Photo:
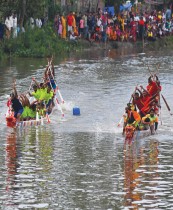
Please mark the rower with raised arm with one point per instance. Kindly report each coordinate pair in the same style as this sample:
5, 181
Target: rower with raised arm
153, 86
16, 104
49, 74
137, 99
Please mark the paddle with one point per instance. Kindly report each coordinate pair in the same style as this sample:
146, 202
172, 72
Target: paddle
118, 125
57, 102
120, 121
133, 93
30, 86
149, 70
47, 117
166, 105
60, 95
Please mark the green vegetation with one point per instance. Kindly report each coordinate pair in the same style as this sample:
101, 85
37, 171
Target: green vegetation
29, 8
37, 43
34, 42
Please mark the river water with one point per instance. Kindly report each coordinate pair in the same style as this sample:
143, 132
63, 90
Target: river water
79, 162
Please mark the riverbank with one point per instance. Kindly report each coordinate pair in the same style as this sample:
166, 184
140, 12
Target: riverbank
36, 43
40, 43
159, 44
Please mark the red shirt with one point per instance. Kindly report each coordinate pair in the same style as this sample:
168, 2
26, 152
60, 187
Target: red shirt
152, 88
146, 100
139, 103
141, 22
70, 20
133, 25
146, 107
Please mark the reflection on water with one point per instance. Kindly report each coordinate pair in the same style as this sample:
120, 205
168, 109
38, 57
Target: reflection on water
81, 162
135, 177
84, 170
11, 167
27, 168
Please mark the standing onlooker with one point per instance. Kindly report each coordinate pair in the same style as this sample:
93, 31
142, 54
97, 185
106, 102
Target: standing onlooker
69, 23
85, 26
14, 25
8, 27
78, 18
2, 30
32, 22
38, 22
74, 25
141, 25
81, 27
168, 14
60, 28
93, 22
64, 31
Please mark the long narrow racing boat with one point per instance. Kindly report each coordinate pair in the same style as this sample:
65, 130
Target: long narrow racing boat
38, 120
11, 121
141, 118
132, 134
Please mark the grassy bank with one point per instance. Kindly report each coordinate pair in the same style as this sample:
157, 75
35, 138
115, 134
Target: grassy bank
37, 43
40, 43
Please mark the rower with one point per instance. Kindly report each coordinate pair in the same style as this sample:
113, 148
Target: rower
26, 107
153, 121
35, 93
16, 104
41, 109
48, 97
133, 118
153, 87
138, 99
49, 74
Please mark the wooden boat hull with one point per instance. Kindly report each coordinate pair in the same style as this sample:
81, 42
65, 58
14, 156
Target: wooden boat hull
131, 135
11, 122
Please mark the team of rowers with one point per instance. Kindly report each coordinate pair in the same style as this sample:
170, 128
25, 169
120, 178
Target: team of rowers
43, 93
142, 111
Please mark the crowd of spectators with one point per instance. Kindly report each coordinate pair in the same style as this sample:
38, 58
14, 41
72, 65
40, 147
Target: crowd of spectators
125, 26
100, 26
10, 28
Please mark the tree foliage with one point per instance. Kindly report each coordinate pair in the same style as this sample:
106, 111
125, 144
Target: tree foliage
27, 8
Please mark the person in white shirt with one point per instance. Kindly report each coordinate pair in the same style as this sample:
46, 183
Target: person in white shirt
14, 26
99, 22
38, 23
73, 37
8, 27
136, 18
32, 22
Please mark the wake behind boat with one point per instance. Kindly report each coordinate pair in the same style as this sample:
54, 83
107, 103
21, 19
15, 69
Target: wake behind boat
34, 108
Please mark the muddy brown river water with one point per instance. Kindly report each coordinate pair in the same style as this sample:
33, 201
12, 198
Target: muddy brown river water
79, 162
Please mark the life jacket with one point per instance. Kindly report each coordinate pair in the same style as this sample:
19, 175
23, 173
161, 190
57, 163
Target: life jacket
152, 119
133, 116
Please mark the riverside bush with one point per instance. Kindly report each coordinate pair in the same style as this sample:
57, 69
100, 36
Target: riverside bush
37, 42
